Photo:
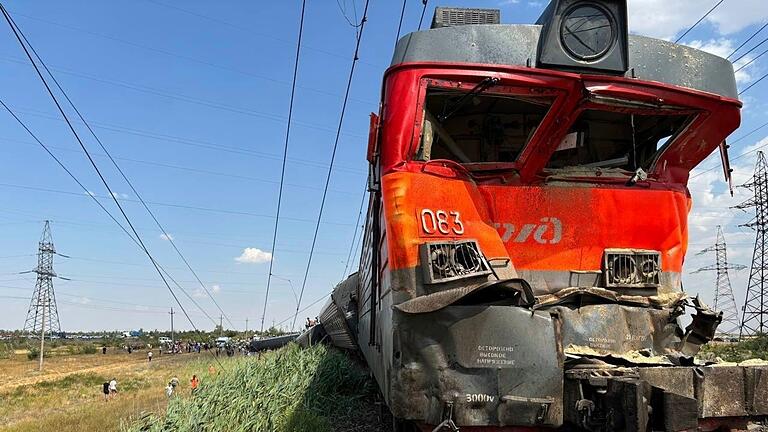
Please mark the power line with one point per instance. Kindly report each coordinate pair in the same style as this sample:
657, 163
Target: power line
400, 23
424, 9
122, 173
754, 84
285, 158
165, 204
82, 186
354, 235
333, 156
17, 32
747, 41
176, 55
192, 142
700, 20
751, 61
750, 50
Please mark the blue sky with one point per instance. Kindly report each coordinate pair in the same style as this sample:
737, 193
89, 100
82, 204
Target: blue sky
192, 99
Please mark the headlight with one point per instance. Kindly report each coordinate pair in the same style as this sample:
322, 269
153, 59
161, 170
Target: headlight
632, 268
446, 261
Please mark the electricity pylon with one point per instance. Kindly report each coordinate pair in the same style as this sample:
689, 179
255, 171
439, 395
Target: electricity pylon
43, 314
754, 318
724, 302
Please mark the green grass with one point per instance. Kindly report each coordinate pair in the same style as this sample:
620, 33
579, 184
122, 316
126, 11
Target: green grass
293, 389
737, 352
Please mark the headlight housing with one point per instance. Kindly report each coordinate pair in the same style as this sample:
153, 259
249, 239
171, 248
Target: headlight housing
451, 260
633, 268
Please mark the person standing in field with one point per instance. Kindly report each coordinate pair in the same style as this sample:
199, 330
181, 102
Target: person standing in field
105, 390
194, 383
112, 388
149, 356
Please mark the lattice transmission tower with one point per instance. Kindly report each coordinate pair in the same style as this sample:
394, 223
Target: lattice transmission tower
724, 300
43, 316
754, 318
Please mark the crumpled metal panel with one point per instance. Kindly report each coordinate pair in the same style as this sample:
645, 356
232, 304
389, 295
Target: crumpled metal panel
496, 365
634, 334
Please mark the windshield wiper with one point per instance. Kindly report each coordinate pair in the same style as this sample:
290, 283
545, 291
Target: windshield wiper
482, 86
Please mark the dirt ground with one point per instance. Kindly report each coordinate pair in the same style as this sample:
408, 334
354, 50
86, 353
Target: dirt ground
67, 395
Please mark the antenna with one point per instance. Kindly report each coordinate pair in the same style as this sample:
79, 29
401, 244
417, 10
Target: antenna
42, 309
754, 319
725, 302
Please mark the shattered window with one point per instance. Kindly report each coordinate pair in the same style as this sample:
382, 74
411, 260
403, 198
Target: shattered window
477, 128
605, 139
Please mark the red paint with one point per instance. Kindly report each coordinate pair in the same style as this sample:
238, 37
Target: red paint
595, 213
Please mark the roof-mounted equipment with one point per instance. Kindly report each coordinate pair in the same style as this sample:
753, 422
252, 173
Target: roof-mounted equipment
451, 17
584, 36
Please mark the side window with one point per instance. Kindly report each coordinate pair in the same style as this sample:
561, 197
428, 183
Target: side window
605, 139
477, 129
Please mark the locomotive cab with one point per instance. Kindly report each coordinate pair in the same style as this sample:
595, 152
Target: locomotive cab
527, 227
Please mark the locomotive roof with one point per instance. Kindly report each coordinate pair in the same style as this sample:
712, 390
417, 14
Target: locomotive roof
516, 44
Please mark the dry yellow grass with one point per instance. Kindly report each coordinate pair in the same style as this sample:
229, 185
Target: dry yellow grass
67, 395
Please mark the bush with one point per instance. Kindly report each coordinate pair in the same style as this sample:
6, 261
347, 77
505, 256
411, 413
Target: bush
89, 349
34, 353
6, 351
756, 347
293, 389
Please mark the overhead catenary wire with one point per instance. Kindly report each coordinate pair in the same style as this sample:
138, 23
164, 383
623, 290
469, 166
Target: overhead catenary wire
285, 158
699, 21
348, 263
750, 50
747, 41
82, 186
423, 10
16, 32
751, 61
754, 83
400, 23
333, 155
167, 236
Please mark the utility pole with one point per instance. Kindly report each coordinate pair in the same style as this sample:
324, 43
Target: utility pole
173, 339
246, 329
725, 302
42, 310
221, 325
754, 318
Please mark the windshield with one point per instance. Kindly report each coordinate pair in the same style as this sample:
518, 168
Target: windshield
480, 128
605, 139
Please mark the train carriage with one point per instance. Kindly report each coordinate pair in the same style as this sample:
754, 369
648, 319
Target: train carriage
527, 226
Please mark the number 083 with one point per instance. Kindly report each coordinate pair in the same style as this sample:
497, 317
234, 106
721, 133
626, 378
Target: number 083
441, 221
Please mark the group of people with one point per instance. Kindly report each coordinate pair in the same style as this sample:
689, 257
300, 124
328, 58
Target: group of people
311, 322
170, 389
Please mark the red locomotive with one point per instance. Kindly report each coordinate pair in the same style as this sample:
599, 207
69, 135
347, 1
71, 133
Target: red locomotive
527, 226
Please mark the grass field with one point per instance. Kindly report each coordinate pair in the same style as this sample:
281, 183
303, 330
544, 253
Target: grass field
67, 395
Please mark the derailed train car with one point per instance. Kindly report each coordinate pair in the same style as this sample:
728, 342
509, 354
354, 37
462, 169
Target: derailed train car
527, 225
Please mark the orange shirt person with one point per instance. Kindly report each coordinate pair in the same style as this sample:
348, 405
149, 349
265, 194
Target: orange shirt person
194, 382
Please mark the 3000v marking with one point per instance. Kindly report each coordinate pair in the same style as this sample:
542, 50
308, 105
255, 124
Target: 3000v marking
444, 222
480, 397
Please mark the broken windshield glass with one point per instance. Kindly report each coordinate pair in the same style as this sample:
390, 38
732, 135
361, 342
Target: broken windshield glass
478, 128
605, 139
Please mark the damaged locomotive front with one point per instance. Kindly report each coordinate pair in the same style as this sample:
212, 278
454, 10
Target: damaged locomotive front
527, 227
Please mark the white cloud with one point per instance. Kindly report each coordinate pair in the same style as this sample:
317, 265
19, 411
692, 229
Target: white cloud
254, 256
666, 19
166, 237
508, 2
199, 293
216, 289
91, 193
83, 300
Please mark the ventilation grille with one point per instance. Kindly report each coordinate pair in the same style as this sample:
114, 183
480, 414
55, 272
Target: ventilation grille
448, 261
632, 268
449, 17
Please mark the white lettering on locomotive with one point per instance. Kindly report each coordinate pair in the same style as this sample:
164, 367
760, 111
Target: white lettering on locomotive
480, 397
548, 231
441, 221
